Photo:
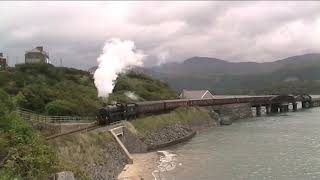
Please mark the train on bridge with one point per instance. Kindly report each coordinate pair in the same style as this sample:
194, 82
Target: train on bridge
113, 113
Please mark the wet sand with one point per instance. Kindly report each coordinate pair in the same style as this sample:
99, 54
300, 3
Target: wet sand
142, 167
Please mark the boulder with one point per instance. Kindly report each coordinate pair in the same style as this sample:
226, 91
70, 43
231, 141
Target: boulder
225, 120
65, 175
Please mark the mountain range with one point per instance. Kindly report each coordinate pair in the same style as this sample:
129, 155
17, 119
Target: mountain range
223, 77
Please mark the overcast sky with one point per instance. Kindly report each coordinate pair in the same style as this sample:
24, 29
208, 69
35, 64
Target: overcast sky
166, 31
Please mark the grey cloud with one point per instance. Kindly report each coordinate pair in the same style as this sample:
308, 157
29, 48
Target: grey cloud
237, 31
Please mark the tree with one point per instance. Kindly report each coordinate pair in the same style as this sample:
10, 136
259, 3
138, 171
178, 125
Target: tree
60, 107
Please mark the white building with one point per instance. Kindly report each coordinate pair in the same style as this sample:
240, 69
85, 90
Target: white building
196, 94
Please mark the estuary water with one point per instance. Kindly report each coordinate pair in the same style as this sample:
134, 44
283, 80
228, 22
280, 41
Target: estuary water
280, 147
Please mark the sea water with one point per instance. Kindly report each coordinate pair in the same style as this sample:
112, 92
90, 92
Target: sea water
283, 146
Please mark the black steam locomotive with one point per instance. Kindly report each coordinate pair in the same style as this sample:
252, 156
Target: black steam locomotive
112, 113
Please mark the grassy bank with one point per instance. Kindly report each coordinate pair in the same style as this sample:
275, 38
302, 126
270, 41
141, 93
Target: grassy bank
187, 116
93, 155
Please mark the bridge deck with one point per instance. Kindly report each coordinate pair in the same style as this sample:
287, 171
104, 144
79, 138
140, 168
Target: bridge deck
256, 100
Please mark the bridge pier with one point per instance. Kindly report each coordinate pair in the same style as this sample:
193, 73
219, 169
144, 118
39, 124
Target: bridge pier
294, 106
258, 110
306, 104
274, 108
268, 109
284, 108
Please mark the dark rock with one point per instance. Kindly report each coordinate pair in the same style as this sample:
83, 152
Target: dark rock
65, 175
225, 121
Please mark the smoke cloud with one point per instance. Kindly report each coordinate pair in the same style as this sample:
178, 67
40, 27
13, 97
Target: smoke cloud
117, 56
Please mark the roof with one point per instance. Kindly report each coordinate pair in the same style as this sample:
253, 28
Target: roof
196, 94
37, 50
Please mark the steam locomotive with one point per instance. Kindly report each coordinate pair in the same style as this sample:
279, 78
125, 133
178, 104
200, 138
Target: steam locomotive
112, 113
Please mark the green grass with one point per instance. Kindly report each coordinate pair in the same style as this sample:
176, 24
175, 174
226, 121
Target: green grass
186, 116
76, 150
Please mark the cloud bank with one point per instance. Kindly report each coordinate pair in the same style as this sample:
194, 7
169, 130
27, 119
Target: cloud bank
167, 31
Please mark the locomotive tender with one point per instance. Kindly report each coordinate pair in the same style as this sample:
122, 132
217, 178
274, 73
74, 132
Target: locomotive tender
113, 113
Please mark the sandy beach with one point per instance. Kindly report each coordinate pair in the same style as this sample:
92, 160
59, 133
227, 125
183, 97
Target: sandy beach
142, 167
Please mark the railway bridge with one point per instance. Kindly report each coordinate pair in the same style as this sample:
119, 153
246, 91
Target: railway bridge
272, 103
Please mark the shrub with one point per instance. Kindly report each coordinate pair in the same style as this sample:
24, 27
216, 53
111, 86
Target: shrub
27, 154
24, 153
145, 87
6, 104
60, 107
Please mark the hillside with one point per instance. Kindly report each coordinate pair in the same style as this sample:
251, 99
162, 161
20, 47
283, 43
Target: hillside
51, 90
224, 77
134, 86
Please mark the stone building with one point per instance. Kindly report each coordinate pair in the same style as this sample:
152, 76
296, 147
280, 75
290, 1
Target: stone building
196, 94
36, 55
3, 62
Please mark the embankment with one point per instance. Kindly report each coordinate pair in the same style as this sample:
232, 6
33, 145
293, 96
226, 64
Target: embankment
174, 127
181, 124
92, 155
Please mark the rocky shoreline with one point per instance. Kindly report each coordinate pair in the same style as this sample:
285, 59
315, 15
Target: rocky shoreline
165, 135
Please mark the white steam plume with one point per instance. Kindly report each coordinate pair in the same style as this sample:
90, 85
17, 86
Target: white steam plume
117, 56
131, 95
162, 57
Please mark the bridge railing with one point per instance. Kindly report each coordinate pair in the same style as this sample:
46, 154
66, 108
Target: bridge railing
50, 125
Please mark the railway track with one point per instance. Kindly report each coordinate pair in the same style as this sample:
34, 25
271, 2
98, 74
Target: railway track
86, 129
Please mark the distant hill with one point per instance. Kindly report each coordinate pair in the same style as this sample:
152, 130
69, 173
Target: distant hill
212, 66
225, 77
